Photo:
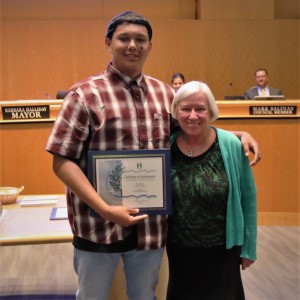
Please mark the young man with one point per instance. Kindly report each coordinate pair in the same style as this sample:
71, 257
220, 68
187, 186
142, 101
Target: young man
118, 109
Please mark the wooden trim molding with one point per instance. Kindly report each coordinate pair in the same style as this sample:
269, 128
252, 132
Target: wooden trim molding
278, 219
20, 111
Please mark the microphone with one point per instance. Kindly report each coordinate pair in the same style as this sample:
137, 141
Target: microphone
221, 95
48, 96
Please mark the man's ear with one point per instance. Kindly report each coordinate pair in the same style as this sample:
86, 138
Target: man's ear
150, 46
108, 44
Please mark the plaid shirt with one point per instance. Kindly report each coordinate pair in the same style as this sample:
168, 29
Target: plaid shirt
99, 113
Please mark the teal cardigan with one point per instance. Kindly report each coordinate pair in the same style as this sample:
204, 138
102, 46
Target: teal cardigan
241, 218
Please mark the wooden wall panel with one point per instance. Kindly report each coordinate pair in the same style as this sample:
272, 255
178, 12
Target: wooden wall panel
94, 9
25, 162
287, 9
219, 52
277, 176
154, 9
45, 56
237, 9
51, 9
165, 9
48, 45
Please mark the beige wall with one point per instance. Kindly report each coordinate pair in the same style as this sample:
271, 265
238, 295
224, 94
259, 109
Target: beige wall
48, 45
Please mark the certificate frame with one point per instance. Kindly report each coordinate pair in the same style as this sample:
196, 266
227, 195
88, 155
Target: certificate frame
133, 178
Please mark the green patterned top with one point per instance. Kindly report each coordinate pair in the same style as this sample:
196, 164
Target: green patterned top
241, 208
199, 198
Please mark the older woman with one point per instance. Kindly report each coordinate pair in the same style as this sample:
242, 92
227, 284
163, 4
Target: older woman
213, 226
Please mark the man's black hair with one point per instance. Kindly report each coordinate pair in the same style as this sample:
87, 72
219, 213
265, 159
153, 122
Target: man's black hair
128, 17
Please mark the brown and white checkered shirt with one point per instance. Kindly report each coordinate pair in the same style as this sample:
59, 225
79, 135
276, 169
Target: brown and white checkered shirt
100, 113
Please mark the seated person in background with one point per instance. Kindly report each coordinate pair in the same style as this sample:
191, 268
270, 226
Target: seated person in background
262, 88
177, 81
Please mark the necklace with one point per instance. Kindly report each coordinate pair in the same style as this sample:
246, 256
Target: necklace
192, 151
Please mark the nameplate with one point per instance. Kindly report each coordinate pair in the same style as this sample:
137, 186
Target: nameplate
26, 112
273, 110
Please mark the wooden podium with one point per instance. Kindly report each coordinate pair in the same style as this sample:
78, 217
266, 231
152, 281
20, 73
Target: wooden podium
25, 126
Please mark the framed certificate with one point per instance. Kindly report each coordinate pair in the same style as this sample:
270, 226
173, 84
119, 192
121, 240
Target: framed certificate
135, 179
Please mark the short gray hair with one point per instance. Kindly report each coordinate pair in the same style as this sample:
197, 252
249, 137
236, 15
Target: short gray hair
193, 88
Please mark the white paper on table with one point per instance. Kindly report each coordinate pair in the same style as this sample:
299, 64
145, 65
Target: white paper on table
59, 213
39, 200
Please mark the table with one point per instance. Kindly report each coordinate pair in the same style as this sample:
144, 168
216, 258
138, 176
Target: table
24, 226
31, 225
